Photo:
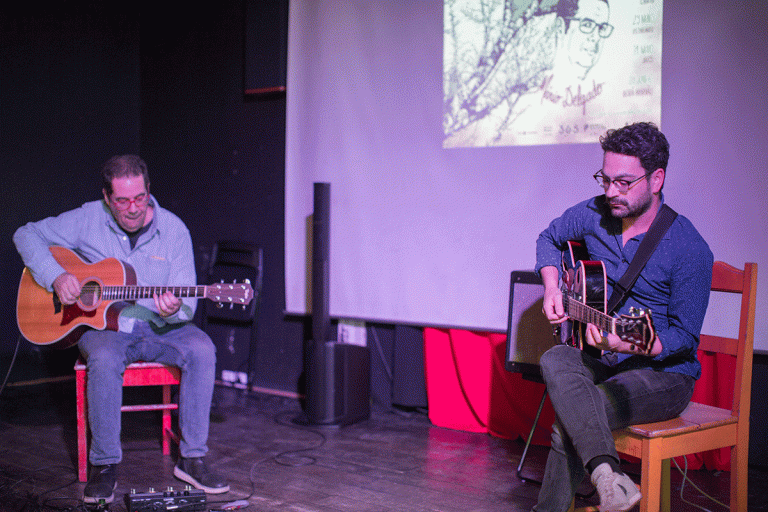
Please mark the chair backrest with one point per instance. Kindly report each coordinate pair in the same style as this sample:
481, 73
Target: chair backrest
235, 261
726, 278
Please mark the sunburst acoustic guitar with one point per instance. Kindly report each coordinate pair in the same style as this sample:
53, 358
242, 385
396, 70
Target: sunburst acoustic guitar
108, 286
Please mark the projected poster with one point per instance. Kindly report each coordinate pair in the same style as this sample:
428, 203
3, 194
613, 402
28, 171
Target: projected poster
527, 72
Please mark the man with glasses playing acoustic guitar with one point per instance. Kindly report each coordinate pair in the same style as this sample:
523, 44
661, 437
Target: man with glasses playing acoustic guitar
608, 376
130, 226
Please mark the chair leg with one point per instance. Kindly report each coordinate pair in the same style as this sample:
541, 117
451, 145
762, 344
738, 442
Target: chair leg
166, 421
666, 486
739, 475
650, 477
82, 426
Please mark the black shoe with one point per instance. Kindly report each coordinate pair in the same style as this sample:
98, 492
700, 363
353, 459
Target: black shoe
194, 472
101, 484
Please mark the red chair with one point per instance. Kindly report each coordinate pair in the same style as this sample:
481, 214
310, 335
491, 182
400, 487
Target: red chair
136, 374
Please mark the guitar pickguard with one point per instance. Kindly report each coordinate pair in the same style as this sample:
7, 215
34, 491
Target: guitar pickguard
72, 312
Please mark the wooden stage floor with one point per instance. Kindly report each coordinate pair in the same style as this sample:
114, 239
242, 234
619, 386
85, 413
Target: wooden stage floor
395, 461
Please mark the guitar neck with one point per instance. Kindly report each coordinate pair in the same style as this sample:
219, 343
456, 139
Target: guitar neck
134, 292
580, 312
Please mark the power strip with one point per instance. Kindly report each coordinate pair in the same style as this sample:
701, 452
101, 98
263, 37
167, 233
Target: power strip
189, 500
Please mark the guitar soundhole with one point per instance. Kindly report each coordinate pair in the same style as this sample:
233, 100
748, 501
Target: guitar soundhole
90, 294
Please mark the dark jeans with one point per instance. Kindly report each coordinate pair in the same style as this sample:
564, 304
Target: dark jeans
590, 400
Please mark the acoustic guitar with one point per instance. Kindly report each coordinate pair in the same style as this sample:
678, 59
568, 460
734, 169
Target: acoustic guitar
108, 286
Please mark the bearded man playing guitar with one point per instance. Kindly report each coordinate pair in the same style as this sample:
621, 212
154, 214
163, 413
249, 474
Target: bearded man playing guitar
130, 226
618, 383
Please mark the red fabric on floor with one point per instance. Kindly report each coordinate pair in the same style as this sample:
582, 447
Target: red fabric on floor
469, 389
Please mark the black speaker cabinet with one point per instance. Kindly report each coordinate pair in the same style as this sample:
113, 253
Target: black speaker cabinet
337, 383
337, 375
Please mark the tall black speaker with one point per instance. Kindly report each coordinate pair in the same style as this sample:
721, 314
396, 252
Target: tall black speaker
337, 374
321, 254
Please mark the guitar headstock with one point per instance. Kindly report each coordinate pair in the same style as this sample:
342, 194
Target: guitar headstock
230, 293
636, 328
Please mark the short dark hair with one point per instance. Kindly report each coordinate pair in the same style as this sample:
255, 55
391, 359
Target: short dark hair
642, 140
121, 166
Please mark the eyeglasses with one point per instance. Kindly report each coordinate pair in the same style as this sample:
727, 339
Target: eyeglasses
123, 203
587, 26
623, 186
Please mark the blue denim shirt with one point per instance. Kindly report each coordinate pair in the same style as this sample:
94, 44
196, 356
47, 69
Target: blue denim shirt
674, 284
163, 256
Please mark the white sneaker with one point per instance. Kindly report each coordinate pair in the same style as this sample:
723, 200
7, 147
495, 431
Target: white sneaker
618, 493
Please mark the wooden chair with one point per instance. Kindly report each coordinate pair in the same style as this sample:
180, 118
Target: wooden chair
702, 427
136, 374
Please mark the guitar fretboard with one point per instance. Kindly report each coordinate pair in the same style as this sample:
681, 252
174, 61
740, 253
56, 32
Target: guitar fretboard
128, 292
582, 313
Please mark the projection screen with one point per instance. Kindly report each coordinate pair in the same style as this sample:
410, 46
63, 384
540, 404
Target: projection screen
426, 221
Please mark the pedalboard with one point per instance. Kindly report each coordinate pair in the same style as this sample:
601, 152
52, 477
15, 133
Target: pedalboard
188, 500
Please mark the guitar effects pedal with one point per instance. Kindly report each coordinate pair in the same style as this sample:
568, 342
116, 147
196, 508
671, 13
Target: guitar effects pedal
188, 500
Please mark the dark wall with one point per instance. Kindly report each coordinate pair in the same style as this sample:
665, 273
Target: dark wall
82, 83
69, 99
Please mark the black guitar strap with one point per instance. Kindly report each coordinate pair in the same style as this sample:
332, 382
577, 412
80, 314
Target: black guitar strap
652, 237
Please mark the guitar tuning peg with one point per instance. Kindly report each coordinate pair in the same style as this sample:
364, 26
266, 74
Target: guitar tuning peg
247, 281
219, 305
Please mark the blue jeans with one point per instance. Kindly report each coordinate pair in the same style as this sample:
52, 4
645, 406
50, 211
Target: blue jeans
590, 400
107, 353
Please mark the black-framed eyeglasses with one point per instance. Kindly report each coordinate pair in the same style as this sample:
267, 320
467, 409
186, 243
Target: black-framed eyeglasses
623, 186
588, 26
123, 203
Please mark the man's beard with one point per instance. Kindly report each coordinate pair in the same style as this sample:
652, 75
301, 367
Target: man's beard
634, 211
